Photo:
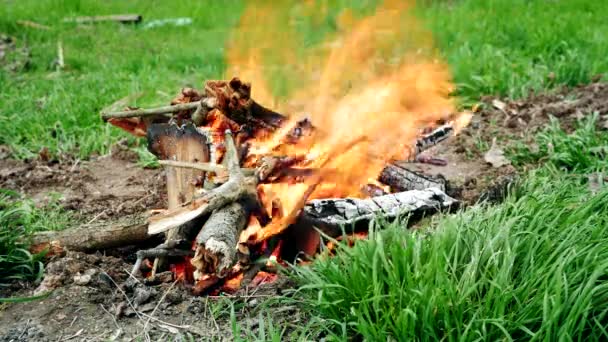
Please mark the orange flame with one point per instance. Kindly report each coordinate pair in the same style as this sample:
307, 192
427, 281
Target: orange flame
368, 89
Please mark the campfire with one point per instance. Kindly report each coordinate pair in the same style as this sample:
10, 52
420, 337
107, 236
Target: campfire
249, 188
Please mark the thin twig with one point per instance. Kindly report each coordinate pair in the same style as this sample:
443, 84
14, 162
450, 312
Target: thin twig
162, 298
112, 316
128, 302
123, 102
185, 327
29, 23
207, 308
150, 111
27, 325
74, 320
95, 218
78, 333
208, 167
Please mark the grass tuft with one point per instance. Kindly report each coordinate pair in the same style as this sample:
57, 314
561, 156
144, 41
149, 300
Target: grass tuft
19, 218
584, 150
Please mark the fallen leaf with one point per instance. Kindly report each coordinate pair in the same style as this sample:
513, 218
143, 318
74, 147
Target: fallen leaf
499, 105
496, 156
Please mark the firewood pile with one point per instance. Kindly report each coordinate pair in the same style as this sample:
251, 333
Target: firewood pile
232, 204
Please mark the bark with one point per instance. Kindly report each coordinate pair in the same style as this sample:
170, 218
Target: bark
233, 98
330, 215
217, 240
90, 238
401, 179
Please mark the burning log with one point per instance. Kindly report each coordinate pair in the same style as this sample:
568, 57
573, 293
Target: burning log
373, 190
330, 215
217, 240
401, 179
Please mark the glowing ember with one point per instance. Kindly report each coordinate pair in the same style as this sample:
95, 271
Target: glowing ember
263, 278
183, 270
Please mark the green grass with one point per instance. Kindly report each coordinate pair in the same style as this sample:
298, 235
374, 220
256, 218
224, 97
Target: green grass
498, 47
585, 150
492, 46
104, 63
19, 218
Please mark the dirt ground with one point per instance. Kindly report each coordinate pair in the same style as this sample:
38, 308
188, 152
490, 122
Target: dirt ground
101, 189
87, 297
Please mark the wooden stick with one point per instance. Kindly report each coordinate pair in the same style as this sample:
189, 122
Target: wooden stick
60, 61
150, 111
89, 238
29, 23
209, 167
121, 18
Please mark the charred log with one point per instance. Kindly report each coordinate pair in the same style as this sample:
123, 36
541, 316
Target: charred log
401, 179
435, 137
330, 215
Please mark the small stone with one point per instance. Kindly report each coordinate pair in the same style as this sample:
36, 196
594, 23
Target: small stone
142, 294
82, 279
50, 282
470, 182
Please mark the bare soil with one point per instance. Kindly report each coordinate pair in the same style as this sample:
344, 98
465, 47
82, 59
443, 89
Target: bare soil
104, 188
87, 297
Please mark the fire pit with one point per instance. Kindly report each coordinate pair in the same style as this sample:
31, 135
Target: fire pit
249, 188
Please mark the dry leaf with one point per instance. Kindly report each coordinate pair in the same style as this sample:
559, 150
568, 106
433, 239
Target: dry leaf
496, 156
499, 105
